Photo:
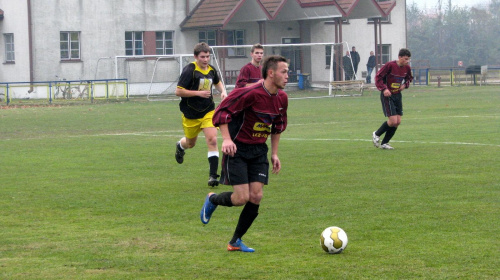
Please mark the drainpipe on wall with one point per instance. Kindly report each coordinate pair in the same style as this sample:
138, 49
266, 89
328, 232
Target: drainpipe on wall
187, 7
30, 43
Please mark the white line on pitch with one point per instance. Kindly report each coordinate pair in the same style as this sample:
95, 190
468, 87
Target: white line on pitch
400, 141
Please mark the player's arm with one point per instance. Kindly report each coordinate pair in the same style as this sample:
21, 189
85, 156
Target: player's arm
228, 147
379, 80
408, 78
186, 83
243, 77
182, 92
220, 87
275, 161
251, 84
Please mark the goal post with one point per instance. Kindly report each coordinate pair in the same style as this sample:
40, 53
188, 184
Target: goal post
315, 64
153, 76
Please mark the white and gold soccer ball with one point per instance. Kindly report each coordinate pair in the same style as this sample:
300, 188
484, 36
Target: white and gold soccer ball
333, 240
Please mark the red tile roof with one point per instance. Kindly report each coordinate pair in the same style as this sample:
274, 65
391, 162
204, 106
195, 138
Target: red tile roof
387, 7
218, 13
210, 13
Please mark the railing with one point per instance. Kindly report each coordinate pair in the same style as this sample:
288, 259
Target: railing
64, 90
455, 77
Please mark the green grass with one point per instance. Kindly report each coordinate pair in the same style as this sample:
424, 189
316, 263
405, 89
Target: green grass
94, 192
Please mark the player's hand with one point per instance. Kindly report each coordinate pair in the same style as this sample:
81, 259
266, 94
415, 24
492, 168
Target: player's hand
387, 93
228, 147
204, 93
276, 164
223, 95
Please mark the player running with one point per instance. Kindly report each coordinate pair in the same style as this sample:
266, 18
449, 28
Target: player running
246, 118
197, 107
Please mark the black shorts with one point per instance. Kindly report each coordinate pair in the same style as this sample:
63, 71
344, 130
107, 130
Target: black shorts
392, 105
249, 164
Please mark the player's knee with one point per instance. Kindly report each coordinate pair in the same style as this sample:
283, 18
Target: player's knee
255, 198
189, 145
212, 141
239, 199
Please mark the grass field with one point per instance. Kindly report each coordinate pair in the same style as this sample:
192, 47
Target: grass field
94, 192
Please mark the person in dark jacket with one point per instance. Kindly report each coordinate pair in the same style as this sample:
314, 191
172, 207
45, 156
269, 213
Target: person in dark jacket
355, 61
369, 67
347, 64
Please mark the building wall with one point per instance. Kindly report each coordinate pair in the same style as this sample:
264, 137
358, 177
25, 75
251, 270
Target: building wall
102, 25
15, 21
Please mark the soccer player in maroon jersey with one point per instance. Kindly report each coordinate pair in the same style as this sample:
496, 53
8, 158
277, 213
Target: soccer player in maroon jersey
391, 79
246, 118
251, 73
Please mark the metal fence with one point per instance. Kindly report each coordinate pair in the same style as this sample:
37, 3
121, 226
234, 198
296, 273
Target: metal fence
64, 90
455, 76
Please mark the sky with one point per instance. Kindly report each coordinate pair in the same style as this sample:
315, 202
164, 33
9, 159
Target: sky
430, 4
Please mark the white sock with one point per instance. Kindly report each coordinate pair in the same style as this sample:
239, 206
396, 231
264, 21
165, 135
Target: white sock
213, 154
180, 145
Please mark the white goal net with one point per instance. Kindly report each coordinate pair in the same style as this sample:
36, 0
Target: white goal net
310, 64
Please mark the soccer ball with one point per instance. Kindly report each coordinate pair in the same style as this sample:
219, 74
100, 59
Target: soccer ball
333, 240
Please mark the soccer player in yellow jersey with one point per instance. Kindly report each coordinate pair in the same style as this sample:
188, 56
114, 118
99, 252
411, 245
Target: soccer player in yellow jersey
197, 107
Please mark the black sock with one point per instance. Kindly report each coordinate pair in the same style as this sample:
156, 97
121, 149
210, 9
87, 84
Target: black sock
223, 199
247, 216
214, 164
382, 129
388, 135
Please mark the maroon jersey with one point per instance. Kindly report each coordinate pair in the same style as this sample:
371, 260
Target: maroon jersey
391, 76
252, 114
248, 74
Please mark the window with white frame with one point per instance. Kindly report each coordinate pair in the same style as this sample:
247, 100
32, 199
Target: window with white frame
134, 43
386, 54
9, 47
207, 36
235, 37
164, 42
70, 45
328, 56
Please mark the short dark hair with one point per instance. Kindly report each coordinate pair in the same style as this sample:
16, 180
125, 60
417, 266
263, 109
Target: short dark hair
271, 62
201, 47
404, 52
256, 46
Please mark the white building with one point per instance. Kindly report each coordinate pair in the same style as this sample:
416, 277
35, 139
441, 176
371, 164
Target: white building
45, 40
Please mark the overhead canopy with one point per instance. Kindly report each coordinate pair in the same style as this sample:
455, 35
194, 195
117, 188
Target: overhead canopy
219, 13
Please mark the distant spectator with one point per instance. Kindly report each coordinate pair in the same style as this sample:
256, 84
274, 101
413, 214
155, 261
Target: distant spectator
347, 64
369, 67
355, 61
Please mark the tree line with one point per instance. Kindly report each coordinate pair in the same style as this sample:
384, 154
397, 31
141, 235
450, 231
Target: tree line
442, 38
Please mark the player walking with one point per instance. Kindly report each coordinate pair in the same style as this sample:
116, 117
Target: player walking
391, 79
197, 107
250, 74
246, 118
